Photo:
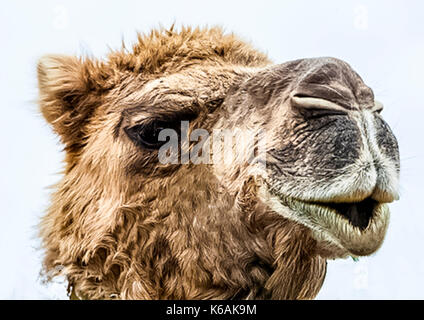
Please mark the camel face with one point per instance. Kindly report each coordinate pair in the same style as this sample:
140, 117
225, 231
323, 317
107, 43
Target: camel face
332, 161
153, 205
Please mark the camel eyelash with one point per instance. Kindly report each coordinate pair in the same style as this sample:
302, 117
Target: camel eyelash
146, 133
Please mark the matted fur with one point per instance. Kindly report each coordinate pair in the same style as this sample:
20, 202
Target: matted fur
123, 226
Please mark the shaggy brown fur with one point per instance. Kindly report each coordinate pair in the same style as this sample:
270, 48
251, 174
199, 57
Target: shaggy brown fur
121, 225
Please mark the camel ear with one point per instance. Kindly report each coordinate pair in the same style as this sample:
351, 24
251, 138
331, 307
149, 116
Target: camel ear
67, 95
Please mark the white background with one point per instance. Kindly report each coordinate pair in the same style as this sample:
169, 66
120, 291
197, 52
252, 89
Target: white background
382, 40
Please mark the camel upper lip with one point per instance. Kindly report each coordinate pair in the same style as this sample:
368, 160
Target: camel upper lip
357, 213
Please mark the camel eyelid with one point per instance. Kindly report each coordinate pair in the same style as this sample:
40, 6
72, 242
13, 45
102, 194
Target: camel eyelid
142, 115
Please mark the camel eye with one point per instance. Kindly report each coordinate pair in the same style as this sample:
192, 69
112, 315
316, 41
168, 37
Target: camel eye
147, 135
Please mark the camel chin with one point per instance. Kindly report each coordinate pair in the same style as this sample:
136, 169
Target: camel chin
354, 228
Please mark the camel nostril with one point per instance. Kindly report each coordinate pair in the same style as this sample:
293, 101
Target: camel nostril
306, 102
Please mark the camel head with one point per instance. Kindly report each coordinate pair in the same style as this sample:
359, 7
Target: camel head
156, 202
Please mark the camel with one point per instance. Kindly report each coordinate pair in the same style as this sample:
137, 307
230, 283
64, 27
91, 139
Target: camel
123, 225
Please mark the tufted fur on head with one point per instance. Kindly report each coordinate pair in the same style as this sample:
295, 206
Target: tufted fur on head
124, 225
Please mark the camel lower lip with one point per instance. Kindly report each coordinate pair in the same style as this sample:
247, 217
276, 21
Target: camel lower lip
358, 228
358, 214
